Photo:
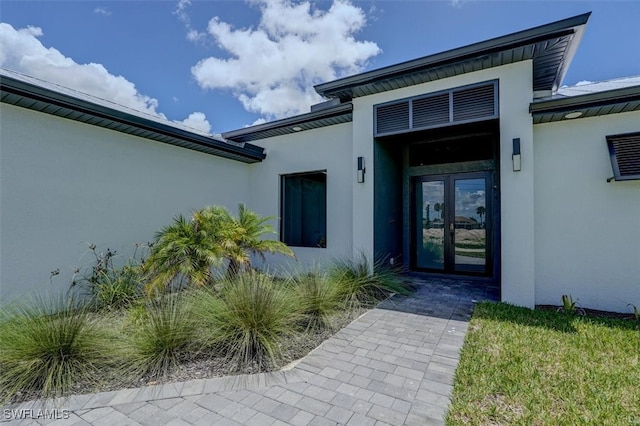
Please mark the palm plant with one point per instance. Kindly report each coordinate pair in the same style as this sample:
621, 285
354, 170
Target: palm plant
187, 250
250, 229
183, 251
480, 211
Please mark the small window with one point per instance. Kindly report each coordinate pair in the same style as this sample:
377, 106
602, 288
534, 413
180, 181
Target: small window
624, 151
304, 209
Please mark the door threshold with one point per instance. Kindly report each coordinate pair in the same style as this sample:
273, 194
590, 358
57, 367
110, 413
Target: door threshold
460, 277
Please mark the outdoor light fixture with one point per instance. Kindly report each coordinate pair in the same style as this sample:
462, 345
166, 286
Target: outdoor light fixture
361, 169
517, 165
574, 114
296, 128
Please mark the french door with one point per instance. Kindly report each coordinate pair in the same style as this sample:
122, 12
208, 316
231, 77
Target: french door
452, 225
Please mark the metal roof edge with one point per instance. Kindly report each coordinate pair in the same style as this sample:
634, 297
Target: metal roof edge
38, 93
498, 43
570, 103
291, 121
571, 52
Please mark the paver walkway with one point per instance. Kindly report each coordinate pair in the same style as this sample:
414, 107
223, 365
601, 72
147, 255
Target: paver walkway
394, 365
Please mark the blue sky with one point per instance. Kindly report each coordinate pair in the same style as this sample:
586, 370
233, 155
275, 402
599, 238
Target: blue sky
228, 64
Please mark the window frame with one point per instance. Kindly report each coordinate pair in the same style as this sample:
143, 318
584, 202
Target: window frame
282, 194
613, 155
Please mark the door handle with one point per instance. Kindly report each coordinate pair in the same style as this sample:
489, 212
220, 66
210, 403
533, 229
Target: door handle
452, 228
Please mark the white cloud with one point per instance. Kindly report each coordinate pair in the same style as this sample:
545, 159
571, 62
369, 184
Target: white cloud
583, 82
198, 121
272, 68
20, 50
183, 16
458, 3
102, 11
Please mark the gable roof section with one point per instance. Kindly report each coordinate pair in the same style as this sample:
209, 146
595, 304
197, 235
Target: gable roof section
341, 113
591, 104
550, 46
38, 95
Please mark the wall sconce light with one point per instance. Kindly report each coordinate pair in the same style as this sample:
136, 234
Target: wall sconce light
517, 162
361, 169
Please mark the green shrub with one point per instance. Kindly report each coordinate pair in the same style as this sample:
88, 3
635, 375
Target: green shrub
164, 333
434, 249
360, 286
46, 347
184, 252
108, 286
319, 298
248, 319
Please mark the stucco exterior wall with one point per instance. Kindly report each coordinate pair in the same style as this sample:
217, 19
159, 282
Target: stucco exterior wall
515, 95
587, 230
326, 148
64, 184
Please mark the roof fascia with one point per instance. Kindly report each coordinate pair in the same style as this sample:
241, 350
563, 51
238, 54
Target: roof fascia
31, 91
517, 39
571, 103
291, 121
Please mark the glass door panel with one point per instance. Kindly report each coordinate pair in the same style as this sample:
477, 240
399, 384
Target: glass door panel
469, 224
452, 227
430, 228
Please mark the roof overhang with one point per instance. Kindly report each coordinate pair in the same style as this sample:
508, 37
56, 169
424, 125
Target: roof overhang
23, 93
342, 113
551, 47
589, 105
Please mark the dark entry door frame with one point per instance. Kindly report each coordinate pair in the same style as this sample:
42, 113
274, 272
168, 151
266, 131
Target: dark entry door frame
452, 223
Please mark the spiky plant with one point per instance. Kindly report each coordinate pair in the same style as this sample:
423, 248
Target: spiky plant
248, 320
361, 284
319, 298
48, 345
165, 333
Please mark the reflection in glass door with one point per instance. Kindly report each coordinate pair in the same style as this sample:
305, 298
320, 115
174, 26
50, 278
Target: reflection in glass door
451, 229
430, 229
470, 233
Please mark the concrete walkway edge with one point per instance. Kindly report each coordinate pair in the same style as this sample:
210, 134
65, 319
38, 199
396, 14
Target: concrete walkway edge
393, 365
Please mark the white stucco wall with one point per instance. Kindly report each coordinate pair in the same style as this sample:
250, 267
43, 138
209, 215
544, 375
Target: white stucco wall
587, 230
63, 184
516, 92
326, 148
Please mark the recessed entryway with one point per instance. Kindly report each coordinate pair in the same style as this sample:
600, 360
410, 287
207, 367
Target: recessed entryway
437, 200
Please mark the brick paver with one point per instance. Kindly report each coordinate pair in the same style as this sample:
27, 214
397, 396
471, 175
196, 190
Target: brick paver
394, 365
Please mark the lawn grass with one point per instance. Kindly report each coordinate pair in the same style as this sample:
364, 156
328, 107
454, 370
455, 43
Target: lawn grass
520, 366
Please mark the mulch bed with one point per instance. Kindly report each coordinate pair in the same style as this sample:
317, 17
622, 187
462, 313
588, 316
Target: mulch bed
208, 366
591, 312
